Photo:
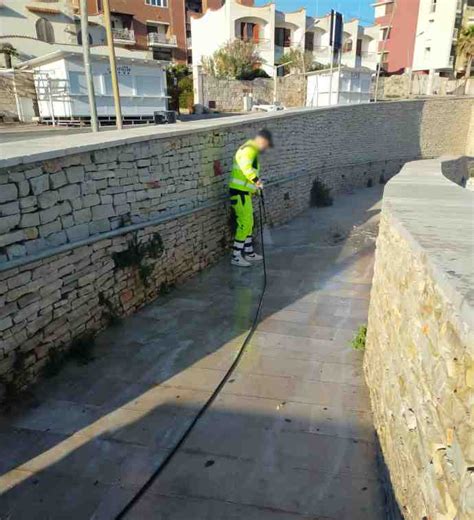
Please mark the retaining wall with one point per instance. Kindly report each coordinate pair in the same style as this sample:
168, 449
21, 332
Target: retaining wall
419, 360
228, 94
69, 207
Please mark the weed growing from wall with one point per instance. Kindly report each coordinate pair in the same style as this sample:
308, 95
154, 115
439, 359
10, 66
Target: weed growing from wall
320, 195
13, 386
136, 254
80, 351
110, 312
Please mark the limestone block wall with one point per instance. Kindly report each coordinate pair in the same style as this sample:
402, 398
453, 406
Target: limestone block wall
227, 94
65, 213
419, 359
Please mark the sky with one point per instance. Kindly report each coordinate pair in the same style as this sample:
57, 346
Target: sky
349, 8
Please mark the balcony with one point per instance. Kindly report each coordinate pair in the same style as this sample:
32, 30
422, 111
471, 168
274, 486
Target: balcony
124, 36
161, 40
261, 44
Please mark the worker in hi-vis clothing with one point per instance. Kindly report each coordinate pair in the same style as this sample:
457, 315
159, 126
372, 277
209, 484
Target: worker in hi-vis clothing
244, 184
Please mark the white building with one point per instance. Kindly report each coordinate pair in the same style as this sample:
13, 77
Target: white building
62, 92
437, 28
340, 86
274, 32
31, 27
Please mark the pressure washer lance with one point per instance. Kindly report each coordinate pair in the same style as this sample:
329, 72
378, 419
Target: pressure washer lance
267, 234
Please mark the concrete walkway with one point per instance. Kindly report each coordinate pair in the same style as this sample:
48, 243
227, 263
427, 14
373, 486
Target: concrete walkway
290, 436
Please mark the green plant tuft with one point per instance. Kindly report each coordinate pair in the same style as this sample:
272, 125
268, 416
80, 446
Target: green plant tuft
358, 341
320, 195
81, 350
136, 253
111, 313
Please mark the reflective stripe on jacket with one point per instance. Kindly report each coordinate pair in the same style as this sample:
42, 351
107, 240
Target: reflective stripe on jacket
246, 168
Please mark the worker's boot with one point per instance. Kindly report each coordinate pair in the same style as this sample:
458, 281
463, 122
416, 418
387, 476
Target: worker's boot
249, 253
253, 257
239, 260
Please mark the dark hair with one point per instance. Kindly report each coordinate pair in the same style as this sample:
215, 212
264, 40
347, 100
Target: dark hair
266, 134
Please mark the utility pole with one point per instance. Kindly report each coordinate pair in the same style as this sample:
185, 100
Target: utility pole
87, 65
113, 66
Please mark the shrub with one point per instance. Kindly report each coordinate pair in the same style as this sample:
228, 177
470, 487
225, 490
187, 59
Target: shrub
320, 195
186, 93
235, 59
256, 73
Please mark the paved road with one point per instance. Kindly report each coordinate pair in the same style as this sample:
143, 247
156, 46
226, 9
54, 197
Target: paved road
290, 436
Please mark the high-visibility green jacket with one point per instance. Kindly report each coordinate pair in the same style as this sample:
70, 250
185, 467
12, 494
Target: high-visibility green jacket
246, 168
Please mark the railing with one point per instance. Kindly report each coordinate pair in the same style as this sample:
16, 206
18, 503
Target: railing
160, 39
260, 43
124, 35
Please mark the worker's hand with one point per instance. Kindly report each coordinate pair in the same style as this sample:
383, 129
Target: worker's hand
259, 184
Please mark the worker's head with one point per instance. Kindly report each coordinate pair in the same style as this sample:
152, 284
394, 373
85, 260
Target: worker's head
264, 139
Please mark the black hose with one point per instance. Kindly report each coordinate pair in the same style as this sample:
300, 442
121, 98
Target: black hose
215, 394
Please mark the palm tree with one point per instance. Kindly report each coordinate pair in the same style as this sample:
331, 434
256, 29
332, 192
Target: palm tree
465, 47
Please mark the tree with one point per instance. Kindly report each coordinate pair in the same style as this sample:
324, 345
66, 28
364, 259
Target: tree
465, 48
175, 76
299, 61
234, 60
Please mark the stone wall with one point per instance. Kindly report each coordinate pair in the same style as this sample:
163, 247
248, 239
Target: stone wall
405, 86
227, 94
67, 212
419, 359
25, 88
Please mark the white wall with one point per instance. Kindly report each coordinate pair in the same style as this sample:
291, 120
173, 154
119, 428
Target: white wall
142, 88
346, 88
17, 21
215, 28
434, 31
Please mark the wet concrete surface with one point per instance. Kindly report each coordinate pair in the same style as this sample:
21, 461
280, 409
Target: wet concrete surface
289, 437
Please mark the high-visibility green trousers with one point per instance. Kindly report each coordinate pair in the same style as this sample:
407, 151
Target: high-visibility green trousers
243, 208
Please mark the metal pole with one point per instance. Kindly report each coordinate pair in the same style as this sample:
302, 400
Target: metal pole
113, 66
50, 98
275, 78
87, 65
330, 76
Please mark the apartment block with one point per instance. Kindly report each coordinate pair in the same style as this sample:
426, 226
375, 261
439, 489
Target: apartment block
420, 35
157, 29
396, 25
274, 32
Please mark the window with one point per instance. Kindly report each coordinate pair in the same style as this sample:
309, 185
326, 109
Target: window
347, 47
157, 3
79, 37
385, 33
433, 6
77, 82
148, 85
126, 85
389, 8
309, 41
282, 37
44, 30
249, 31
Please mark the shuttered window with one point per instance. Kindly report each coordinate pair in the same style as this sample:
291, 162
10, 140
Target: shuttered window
44, 30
